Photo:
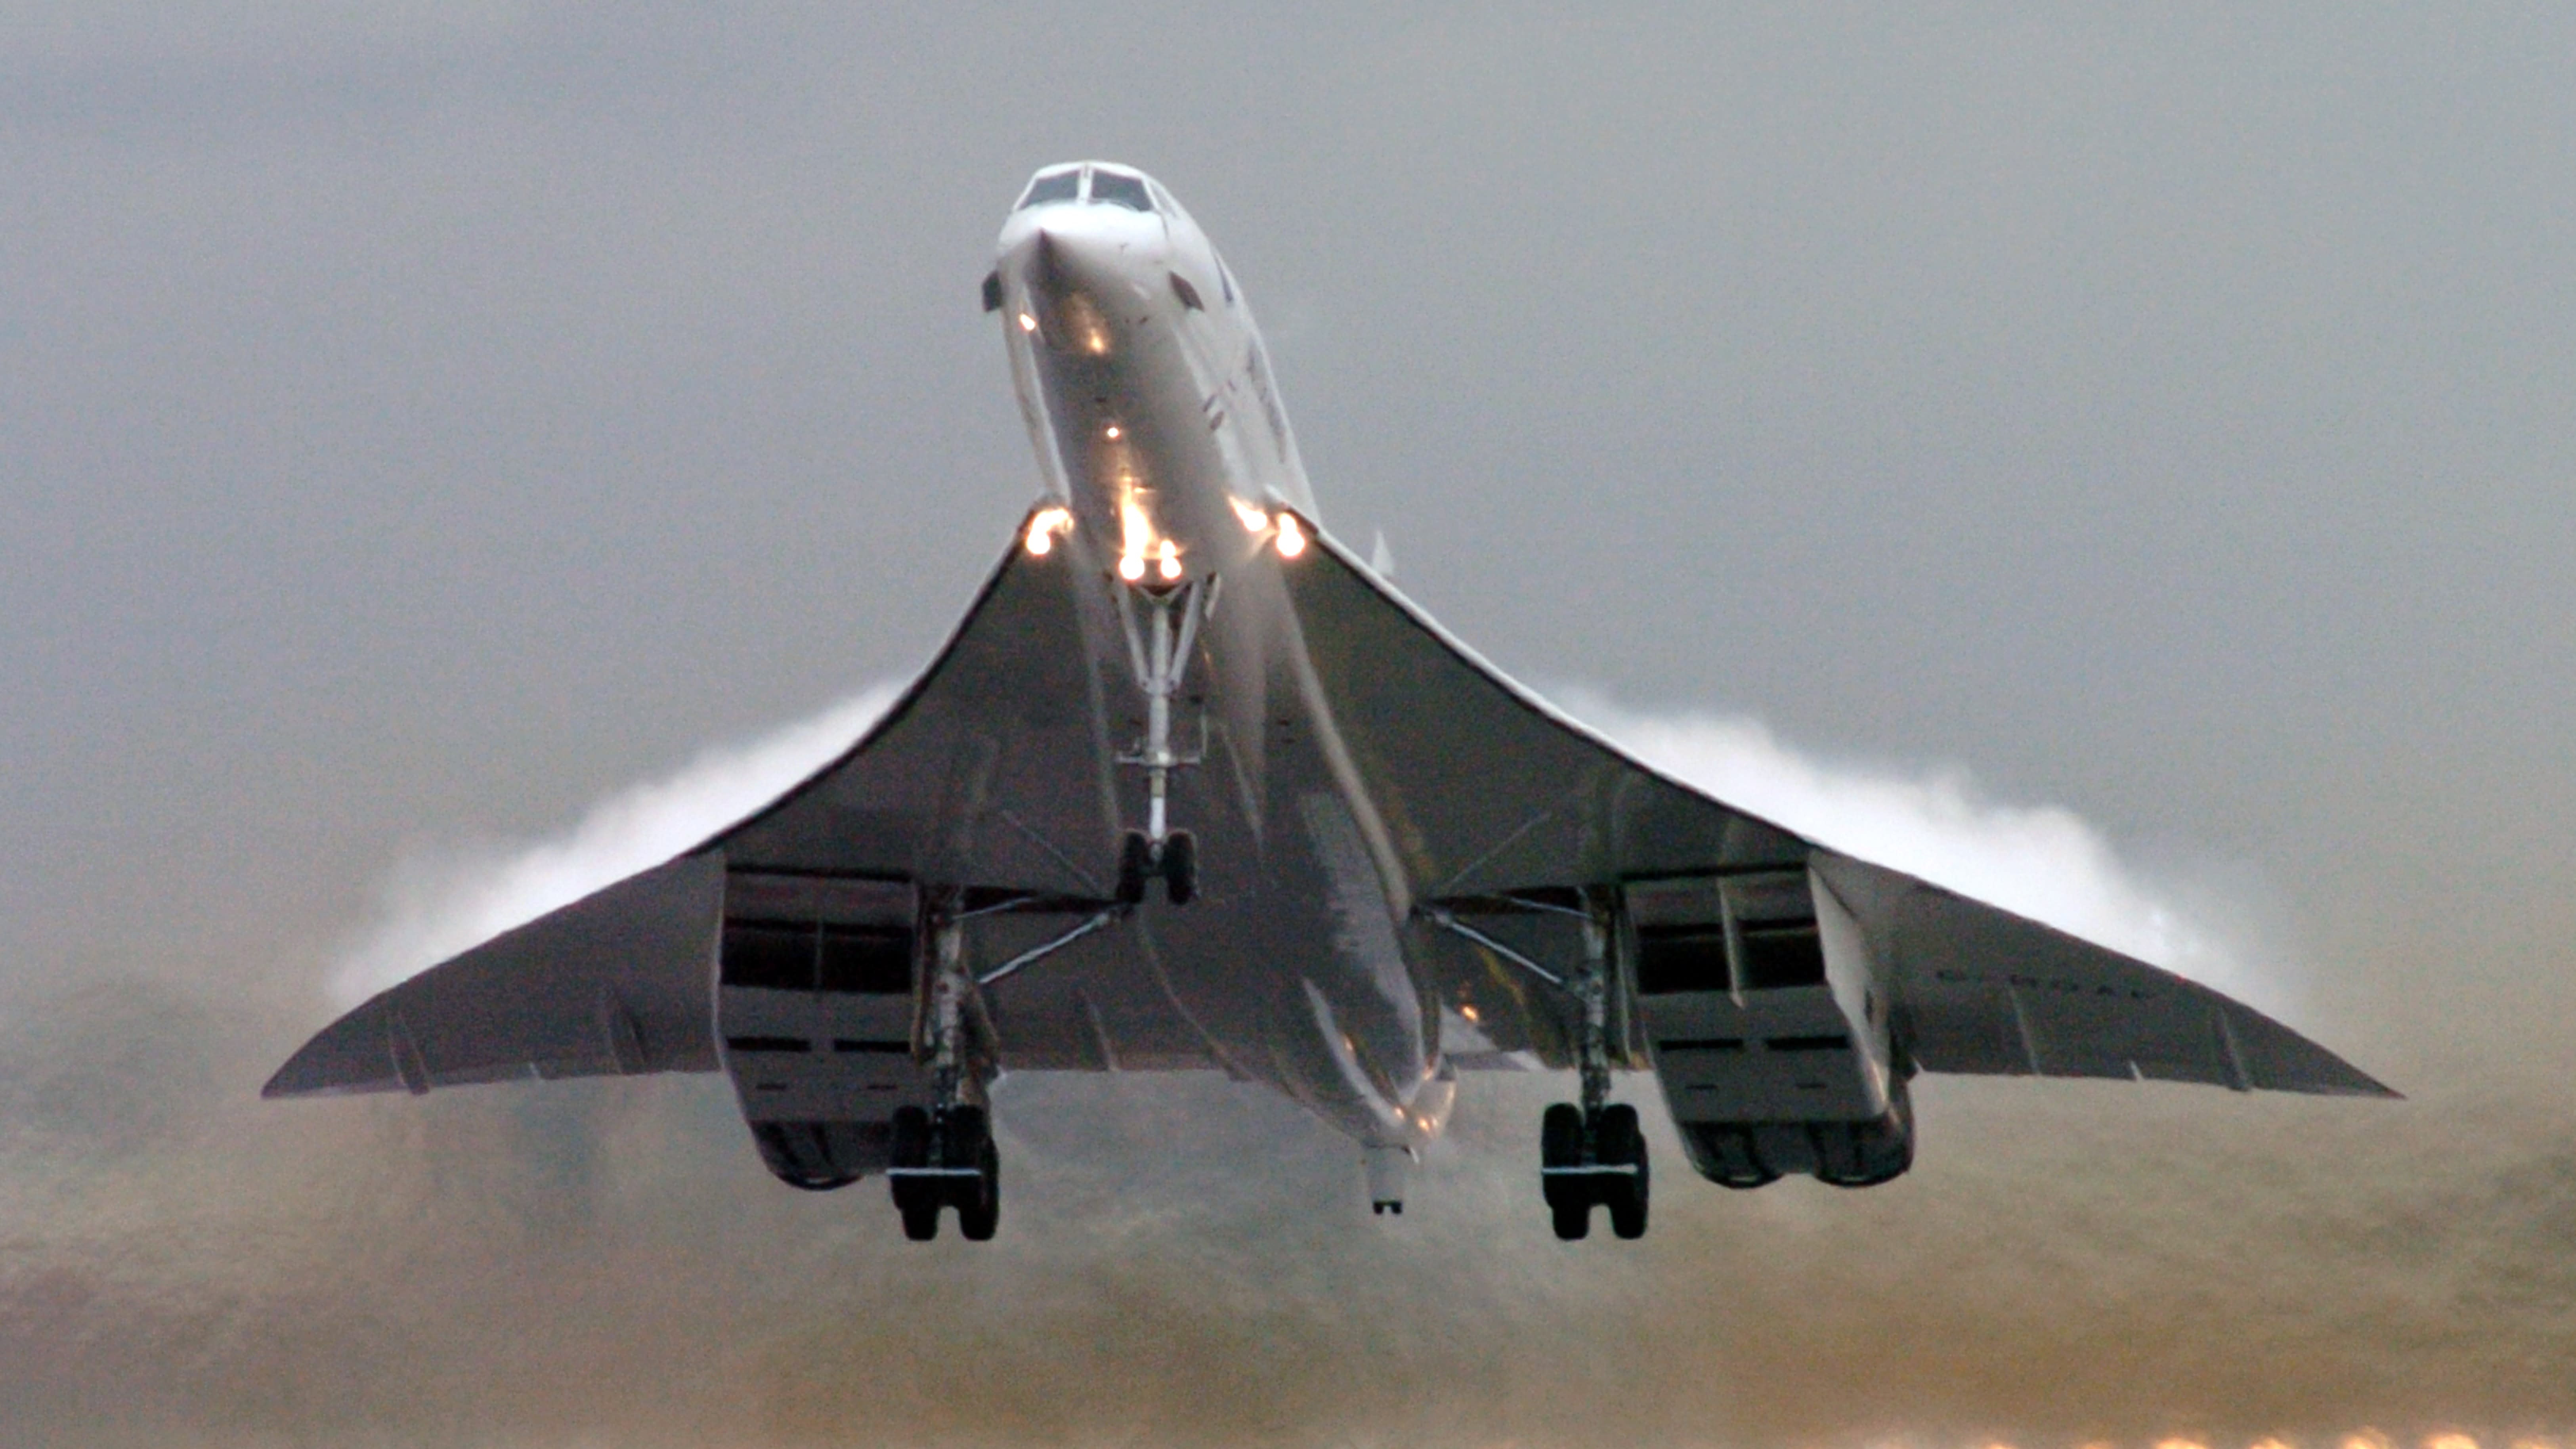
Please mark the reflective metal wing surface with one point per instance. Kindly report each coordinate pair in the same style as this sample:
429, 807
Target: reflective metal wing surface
993, 770
614, 983
1493, 800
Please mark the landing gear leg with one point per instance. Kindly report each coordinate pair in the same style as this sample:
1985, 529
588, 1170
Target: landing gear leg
943, 1156
1160, 656
1593, 1153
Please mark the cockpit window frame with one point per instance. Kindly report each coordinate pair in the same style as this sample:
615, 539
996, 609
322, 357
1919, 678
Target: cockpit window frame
1030, 197
1141, 201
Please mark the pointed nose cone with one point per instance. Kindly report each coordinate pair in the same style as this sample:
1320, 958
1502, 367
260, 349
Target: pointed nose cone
1046, 270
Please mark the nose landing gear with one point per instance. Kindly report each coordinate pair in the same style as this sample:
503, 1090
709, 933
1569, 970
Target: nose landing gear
1160, 655
1175, 863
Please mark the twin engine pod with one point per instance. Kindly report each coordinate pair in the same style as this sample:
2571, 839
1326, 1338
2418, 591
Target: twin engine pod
1768, 1025
815, 1005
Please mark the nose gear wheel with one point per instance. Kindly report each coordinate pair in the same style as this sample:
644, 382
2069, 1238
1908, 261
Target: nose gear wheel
1175, 863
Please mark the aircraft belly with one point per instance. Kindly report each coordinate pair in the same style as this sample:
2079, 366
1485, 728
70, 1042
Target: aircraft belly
1291, 962
1290, 967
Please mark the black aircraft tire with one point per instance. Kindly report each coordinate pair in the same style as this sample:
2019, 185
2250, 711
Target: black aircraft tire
1628, 1200
978, 1219
911, 1148
921, 1221
1560, 1144
969, 1133
1573, 1222
1617, 1139
1135, 862
1560, 1135
1181, 867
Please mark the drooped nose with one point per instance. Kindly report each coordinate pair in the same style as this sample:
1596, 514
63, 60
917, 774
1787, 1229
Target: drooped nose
1064, 276
1063, 260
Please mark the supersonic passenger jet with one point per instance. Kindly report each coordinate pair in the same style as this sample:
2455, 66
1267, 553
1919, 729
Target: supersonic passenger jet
1193, 788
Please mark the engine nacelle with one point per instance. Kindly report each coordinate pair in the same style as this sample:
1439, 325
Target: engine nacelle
1768, 1025
815, 993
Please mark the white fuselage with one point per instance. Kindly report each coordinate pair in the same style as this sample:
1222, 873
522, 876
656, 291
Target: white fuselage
1158, 427
1135, 398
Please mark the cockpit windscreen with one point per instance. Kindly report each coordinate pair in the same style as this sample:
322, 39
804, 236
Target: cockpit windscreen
1117, 190
1054, 186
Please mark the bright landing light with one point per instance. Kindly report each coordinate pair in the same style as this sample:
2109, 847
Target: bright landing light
1292, 541
1044, 527
1252, 519
1171, 561
1028, 323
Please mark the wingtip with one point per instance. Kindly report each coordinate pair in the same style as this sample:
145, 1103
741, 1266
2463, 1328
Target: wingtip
279, 1086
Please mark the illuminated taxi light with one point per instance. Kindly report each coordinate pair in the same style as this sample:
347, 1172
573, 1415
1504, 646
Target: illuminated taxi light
1040, 541
1099, 342
1028, 323
1112, 431
1171, 560
1132, 567
1252, 519
1292, 540
1469, 1011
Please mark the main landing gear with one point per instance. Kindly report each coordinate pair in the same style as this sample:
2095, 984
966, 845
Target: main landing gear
1594, 1153
1593, 1157
943, 1156
946, 1159
1159, 653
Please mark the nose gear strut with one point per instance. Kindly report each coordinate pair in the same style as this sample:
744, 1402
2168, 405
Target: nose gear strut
1159, 654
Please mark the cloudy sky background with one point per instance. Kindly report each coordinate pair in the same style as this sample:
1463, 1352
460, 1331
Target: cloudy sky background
420, 424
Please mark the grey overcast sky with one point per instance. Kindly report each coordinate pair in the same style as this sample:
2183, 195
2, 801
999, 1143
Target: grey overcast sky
420, 421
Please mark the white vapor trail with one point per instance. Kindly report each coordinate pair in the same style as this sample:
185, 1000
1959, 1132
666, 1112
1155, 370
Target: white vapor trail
2043, 862
434, 907
2040, 861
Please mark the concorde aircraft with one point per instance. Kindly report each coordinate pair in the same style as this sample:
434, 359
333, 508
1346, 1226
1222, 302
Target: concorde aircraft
1192, 787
